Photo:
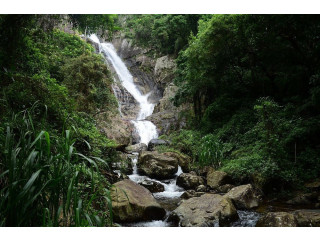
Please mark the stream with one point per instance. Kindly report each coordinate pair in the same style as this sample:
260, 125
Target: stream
170, 197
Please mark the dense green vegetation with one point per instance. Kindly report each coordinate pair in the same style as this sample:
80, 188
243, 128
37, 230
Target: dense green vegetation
165, 33
253, 82
52, 154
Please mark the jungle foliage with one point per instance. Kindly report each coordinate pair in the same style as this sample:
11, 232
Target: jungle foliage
165, 33
52, 156
253, 81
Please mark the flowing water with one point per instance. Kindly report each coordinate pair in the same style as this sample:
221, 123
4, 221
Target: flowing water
146, 130
170, 197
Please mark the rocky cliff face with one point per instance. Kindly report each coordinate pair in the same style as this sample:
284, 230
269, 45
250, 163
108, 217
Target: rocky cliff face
141, 66
151, 75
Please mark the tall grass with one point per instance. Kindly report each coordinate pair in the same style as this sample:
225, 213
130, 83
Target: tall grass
39, 178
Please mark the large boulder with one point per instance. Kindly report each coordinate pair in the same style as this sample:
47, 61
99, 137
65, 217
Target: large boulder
132, 202
136, 148
225, 188
191, 193
189, 181
307, 218
205, 211
120, 131
217, 178
304, 199
168, 121
183, 160
244, 197
156, 142
277, 219
203, 171
164, 70
315, 185
166, 103
152, 186
157, 165
201, 188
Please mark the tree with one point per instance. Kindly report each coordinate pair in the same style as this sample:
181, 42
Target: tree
91, 23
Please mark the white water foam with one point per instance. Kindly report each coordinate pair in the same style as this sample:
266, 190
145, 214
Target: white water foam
146, 129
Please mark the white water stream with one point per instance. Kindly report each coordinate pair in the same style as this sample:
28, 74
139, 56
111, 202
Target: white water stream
146, 129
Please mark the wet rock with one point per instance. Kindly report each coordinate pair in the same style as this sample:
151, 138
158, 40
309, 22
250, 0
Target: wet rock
166, 103
189, 181
225, 188
183, 160
205, 211
152, 186
136, 148
132, 202
277, 219
157, 165
141, 66
204, 171
201, 188
164, 70
303, 199
114, 176
190, 194
128, 106
168, 121
307, 218
313, 185
216, 179
120, 131
156, 142
244, 197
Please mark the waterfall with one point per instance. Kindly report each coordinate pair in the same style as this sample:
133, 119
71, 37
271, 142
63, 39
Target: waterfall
146, 129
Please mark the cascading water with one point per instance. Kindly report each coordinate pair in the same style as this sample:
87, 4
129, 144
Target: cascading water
146, 129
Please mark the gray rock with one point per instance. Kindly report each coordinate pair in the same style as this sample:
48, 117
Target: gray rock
216, 179
164, 70
201, 188
315, 185
132, 202
304, 199
205, 211
225, 188
190, 194
244, 197
189, 181
157, 165
183, 160
136, 148
156, 142
277, 219
152, 186
307, 218
120, 131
